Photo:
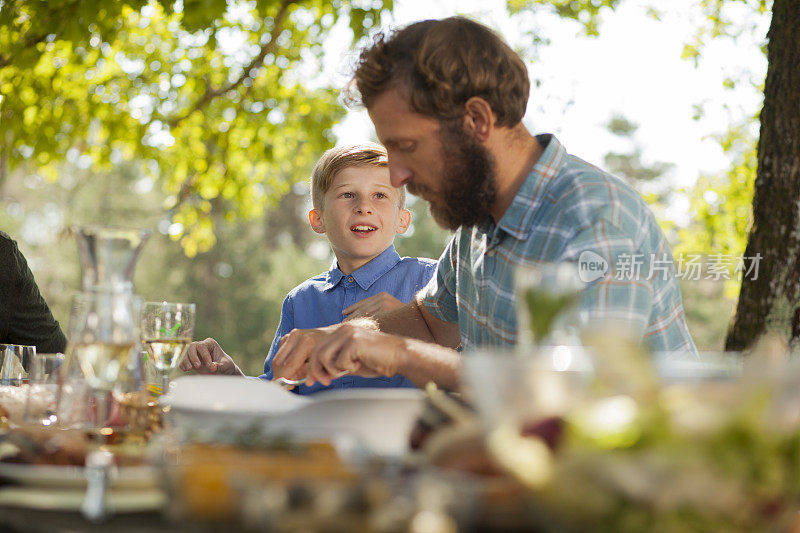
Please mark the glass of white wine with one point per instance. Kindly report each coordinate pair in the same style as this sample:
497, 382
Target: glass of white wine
166, 330
103, 334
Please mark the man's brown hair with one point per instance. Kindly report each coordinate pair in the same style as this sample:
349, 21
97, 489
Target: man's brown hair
441, 64
341, 157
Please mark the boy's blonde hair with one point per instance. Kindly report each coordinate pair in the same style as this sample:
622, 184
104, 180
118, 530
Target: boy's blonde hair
341, 157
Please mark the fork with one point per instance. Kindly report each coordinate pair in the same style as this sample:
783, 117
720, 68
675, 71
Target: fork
295, 382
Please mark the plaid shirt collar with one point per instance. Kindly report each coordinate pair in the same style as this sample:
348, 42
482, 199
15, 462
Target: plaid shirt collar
517, 219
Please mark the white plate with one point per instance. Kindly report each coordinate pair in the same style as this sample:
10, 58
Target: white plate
61, 499
126, 477
379, 419
230, 394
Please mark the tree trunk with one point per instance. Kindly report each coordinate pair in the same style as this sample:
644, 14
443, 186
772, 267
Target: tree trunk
770, 302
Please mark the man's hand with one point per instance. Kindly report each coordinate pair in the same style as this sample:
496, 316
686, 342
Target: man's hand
207, 357
291, 359
322, 354
373, 305
355, 350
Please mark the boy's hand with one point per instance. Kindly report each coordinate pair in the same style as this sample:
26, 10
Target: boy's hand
372, 306
207, 357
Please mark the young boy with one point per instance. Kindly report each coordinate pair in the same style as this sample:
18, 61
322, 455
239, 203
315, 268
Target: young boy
358, 210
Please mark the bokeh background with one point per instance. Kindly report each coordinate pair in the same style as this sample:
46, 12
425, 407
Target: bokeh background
201, 121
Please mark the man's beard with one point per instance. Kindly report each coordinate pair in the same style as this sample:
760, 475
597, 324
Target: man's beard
469, 186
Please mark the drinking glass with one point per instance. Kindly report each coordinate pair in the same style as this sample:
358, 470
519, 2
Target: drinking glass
44, 389
14, 363
139, 412
103, 333
166, 330
545, 295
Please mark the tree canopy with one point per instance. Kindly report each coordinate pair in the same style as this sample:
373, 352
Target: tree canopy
210, 98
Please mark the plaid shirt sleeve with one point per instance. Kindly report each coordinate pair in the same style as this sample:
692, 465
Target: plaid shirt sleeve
622, 294
439, 295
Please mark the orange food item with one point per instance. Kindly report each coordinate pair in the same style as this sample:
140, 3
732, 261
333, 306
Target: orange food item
206, 474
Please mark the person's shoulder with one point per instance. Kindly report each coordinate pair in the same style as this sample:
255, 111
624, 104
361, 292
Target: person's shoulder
417, 265
421, 262
420, 269
314, 284
579, 177
9, 252
587, 191
6, 242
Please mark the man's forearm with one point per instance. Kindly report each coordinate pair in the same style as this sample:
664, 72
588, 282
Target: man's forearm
423, 362
406, 321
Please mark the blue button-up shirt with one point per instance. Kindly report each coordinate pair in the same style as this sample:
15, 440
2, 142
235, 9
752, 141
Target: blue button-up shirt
565, 210
319, 301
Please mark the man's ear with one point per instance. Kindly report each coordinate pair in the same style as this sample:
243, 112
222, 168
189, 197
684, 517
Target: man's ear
479, 118
405, 221
315, 219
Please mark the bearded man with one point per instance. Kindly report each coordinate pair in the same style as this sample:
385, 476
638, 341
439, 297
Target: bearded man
447, 98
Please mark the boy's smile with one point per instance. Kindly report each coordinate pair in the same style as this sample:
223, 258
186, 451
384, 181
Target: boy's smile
363, 230
360, 215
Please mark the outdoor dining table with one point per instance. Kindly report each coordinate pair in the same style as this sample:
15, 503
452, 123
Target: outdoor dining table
14, 519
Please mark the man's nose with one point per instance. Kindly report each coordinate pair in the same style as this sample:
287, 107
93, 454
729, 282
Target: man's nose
399, 175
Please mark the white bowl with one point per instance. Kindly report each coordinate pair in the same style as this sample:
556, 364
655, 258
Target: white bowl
378, 419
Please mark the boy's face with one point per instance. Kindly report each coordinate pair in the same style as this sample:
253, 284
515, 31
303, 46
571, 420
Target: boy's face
360, 215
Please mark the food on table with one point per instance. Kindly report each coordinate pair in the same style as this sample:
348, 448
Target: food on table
39, 445
206, 476
141, 412
697, 446
14, 399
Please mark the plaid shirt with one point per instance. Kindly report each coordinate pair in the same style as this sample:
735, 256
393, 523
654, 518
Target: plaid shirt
565, 209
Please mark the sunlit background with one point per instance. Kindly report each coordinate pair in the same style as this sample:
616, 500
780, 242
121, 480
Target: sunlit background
132, 129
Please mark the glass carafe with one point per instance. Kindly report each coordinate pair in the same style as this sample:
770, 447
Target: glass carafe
108, 256
103, 331
103, 335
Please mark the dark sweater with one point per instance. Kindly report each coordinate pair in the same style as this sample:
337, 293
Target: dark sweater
24, 315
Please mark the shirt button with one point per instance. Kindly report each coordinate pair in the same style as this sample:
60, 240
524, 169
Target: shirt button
350, 279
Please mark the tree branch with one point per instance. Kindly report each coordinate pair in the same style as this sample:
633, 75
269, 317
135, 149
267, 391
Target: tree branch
27, 41
30, 41
257, 61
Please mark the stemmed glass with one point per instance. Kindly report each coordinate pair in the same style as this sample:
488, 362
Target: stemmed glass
545, 294
103, 333
166, 330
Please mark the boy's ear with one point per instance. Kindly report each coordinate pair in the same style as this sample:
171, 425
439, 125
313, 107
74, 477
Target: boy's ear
405, 221
315, 219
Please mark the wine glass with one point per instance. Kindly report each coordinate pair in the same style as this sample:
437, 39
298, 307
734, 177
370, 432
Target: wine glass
166, 330
103, 333
545, 294
15, 360
44, 387
139, 412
